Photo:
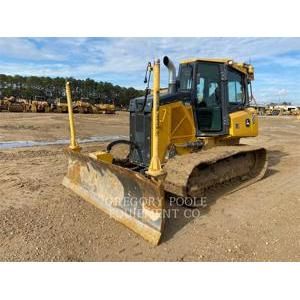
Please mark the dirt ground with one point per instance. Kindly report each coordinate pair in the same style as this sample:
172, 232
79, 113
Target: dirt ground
40, 220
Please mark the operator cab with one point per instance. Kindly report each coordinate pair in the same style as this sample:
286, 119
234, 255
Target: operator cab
212, 88
216, 90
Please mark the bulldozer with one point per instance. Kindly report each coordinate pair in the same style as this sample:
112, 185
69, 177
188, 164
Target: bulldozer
83, 107
40, 106
11, 104
107, 107
184, 143
60, 107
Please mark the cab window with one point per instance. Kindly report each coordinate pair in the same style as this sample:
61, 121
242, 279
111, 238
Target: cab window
186, 77
200, 90
236, 94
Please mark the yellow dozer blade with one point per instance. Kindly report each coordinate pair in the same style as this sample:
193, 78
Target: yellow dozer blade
124, 195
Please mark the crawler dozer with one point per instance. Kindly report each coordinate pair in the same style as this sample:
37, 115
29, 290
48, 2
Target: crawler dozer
184, 143
83, 107
40, 106
106, 108
12, 105
61, 107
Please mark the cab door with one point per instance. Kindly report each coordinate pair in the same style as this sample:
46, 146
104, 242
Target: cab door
210, 108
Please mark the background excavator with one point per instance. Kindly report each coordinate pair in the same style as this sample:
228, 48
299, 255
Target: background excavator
184, 143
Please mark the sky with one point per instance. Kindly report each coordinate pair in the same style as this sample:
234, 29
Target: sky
123, 61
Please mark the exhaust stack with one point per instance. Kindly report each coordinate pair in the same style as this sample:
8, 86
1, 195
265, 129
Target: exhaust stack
172, 74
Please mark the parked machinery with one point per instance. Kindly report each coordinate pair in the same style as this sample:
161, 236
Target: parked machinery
185, 142
40, 106
106, 107
83, 107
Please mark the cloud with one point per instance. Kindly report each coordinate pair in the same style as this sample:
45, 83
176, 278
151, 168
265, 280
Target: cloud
123, 60
26, 49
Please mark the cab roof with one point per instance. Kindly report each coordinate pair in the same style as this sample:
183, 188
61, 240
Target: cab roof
239, 66
217, 60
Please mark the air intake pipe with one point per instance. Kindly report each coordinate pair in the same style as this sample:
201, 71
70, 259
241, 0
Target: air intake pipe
172, 74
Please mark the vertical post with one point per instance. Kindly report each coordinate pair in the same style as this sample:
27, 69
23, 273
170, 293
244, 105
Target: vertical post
155, 164
73, 144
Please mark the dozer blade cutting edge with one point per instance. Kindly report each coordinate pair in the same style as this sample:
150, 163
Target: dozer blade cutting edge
126, 196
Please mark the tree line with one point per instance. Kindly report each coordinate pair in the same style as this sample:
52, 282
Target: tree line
280, 103
48, 88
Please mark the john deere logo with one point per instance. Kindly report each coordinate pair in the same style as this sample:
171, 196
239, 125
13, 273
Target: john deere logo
248, 122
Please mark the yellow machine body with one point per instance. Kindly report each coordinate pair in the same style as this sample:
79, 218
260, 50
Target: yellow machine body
105, 108
168, 153
177, 127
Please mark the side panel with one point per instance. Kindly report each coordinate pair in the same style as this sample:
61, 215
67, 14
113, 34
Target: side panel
243, 123
176, 126
140, 131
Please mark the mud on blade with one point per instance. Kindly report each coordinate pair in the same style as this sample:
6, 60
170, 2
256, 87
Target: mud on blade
126, 196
